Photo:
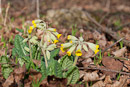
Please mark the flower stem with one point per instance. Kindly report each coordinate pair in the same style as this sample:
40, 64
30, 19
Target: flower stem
45, 57
75, 61
30, 51
43, 51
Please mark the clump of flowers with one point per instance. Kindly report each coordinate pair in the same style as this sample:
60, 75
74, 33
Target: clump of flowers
50, 35
78, 45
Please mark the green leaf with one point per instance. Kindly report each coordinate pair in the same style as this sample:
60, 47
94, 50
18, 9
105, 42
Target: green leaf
66, 62
20, 30
43, 70
72, 75
54, 68
6, 68
19, 47
54, 53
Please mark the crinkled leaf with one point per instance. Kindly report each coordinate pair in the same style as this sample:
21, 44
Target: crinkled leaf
19, 47
54, 68
54, 53
6, 68
20, 30
72, 75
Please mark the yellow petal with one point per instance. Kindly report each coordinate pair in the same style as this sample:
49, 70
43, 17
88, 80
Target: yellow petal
35, 25
29, 31
97, 46
58, 36
69, 53
62, 49
96, 51
33, 22
78, 53
31, 28
68, 37
55, 41
71, 41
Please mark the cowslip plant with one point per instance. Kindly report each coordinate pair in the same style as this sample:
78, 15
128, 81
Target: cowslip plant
46, 49
77, 45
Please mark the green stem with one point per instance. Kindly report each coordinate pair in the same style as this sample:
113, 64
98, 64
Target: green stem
45, 58
30, 51
43, 51
75, 61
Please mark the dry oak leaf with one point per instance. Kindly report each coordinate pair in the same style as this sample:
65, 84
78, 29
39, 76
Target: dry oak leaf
87, 62
120, 52
19, 74
121, 83
108, 80
112, 64
91, 76
98, 84
9, 81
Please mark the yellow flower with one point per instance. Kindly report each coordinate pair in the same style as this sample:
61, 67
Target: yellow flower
96, 51
48, 40
71, 41
62, 49
35, 25
68, 37
78, 53
31, 28
55, 41
97, 46
58, 36
54, 30
29, 31
68, 53
33, 22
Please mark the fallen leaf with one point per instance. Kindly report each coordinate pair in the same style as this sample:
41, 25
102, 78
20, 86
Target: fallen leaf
9, 81
108, 80
19, 74
86, 62
82, 73
121, 83
98, 84
91, 76
37, 62
112, 64
120, 52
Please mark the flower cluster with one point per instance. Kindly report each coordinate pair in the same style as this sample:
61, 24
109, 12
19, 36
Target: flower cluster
37, 24
78, 44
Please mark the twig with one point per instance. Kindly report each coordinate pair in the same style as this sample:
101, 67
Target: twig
103, 17
7, 9
107, 31
104, 69
38, 16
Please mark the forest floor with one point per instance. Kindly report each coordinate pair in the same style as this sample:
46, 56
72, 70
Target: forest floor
106, 22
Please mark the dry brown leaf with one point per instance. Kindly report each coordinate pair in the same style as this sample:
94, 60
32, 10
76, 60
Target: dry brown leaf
121, 83
82, 73
101, 38
120, 52
91, 76
9, 81
37, 62
108, 80
98, 84
112, 64
19, 74
87, 54
86, 62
